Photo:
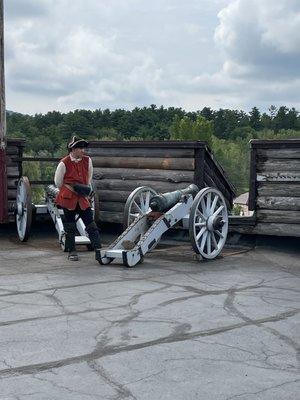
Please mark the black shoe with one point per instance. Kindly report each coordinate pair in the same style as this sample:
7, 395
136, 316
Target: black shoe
73, 256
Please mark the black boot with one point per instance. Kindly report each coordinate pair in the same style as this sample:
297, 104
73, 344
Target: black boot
94, 235
70, 231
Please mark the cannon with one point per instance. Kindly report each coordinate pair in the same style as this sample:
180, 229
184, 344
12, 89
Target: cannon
147, 215
25, 209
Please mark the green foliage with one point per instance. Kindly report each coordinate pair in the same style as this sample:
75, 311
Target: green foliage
187, 129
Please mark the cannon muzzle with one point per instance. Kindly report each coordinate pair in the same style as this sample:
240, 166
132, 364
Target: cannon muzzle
165, 201
51, 191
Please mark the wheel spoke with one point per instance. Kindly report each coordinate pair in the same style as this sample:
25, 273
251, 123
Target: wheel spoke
221, 208
208, 203
219, 233
200, 223
147, 201
214, 240
208, 243
142, 202
199, 214
203, 241
214, 203
137, 206
200, 233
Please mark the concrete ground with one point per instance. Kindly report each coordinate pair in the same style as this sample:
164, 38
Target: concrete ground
171, 328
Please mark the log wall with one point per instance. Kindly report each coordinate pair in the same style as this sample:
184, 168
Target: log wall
275, 186
14, 152
120, 167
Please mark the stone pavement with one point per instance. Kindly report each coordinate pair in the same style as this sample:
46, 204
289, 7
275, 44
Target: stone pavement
171, 328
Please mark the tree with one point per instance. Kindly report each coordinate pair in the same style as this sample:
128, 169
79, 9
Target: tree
255, 119
187, 129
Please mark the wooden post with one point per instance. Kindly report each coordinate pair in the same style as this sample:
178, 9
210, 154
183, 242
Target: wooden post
3, 175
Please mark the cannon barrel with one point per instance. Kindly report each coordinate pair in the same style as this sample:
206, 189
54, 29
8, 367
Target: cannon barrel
165, 201
51, 191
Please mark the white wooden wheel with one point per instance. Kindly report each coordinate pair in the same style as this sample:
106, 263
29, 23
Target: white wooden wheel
23, 209
137, 204
208, 223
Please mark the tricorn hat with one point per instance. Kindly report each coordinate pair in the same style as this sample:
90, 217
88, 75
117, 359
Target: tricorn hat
77, 142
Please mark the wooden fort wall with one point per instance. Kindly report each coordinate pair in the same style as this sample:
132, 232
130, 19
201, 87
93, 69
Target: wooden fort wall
120, 167
275, 186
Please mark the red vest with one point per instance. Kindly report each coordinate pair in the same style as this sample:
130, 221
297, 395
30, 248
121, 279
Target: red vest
76, 172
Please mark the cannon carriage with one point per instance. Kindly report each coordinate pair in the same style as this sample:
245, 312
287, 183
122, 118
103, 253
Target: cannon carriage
148, 215
25, 210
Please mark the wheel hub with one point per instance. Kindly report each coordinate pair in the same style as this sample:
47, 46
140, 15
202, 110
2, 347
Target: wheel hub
214, 223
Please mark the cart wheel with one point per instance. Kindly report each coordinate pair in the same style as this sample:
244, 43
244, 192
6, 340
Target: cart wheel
23, 209
137, 204
208, 223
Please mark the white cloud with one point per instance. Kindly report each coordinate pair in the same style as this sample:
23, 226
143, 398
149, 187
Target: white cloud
63, 54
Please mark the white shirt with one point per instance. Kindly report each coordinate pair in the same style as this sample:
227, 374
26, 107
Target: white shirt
61, 170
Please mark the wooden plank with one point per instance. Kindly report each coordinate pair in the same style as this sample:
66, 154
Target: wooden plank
158, 144
285, 153
280, 190
128, 186
281, 216
144, 174
112, 206
113, 217
252, 183
278, 203
115, 151
280, 176
113, 195
12, 172
183, 164
293, 164
11, 194
12, 150
271, 229
199, 167
275, 144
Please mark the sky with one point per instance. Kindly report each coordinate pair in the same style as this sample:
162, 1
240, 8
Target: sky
90, 54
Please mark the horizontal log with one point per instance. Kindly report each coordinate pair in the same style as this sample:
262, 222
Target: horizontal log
143, 174
117, 184
12, 150
140, 152
281, 216
112, 206
182, 164
279, 165
271, 229
12, 194
113, 217
113, 195
12, 183
281, 176
12, 172
278, 153
281, 190
278, 203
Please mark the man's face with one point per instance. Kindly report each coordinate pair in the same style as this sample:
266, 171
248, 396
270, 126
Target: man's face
78, 152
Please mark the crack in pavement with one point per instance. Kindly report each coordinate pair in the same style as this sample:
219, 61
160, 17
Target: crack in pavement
232, 309
99, 353
122, 390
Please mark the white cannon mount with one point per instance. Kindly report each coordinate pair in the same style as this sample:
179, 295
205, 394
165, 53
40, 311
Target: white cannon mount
25, 209
203, 212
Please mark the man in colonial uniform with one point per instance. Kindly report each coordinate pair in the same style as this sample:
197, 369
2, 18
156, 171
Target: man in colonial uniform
73, 177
